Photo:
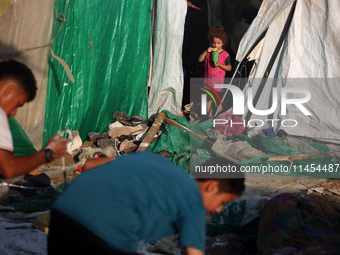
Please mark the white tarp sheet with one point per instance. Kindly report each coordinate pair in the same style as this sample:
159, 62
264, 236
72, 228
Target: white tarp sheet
25, 24
166, 90
310, 53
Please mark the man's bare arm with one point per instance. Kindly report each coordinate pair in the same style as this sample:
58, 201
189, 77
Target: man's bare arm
92, 163
12, 166
193, 251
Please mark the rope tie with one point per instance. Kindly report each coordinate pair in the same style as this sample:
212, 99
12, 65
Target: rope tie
60, 60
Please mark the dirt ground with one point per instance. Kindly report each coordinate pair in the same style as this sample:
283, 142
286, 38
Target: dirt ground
257, 185
275, 184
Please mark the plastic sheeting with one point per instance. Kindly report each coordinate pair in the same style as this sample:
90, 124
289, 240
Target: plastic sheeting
310, 50
166, 89
174, 140
27, 24
185, 149
22, 145
107, 47
268, 12
325, 166
234, 151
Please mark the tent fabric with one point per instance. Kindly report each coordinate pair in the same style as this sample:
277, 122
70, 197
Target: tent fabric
313, 167
22, 145
267, 13
166, 89
20, 28
308, 59
110, 64
174, 140
185, 149
241, 150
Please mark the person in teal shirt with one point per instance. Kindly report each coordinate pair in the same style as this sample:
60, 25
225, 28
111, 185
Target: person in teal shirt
136, 197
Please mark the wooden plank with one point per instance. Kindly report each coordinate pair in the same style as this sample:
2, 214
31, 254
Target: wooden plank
175, 123
149, 138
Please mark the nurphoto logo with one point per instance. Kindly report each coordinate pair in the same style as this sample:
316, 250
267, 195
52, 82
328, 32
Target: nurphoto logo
239, 103
204, 100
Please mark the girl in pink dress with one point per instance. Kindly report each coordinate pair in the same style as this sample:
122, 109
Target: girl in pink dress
215, 73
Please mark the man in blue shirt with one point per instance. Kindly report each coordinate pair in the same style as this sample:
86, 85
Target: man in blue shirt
138, 197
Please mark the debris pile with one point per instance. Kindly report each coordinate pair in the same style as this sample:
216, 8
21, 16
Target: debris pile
123, 136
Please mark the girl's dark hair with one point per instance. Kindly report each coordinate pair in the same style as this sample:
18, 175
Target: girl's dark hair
12, 69
218, 31
231, 179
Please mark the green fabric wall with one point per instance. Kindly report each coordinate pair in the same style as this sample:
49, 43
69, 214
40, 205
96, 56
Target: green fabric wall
22, 145
107, 46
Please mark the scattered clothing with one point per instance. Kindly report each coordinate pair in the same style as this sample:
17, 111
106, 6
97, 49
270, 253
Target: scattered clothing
235, 150
233, 124
268, 132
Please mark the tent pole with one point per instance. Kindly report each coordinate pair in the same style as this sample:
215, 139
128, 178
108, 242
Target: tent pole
272, 59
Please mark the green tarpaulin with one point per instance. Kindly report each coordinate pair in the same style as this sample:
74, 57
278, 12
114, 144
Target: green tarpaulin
108, 52
22, 145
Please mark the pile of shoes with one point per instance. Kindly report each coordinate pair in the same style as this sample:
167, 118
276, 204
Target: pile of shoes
123, 136
123, 118
128, 131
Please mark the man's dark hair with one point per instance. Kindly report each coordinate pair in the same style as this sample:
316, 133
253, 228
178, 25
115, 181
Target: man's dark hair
12, 69
231, 181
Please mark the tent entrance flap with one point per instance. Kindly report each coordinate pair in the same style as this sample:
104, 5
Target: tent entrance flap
272, 59
259, 42
308, 61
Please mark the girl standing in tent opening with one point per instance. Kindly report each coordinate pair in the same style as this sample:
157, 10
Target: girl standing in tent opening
217, 62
